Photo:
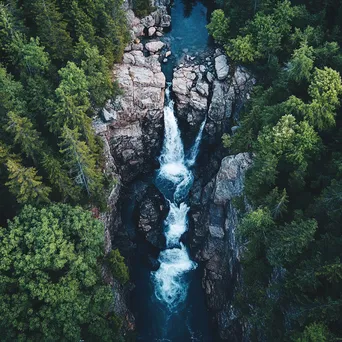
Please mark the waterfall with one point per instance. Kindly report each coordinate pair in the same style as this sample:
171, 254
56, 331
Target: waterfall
195, 148
174, 179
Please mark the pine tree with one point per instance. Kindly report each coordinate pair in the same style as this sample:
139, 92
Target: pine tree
51, 28
72, 103
25, 184
96, 70
80, 161
59, 178
25, 135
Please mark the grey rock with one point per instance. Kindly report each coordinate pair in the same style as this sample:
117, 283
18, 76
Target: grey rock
221, 67
203, 88
151, 31
229, 180
154, 46
137, 47
202, 68
198, 102
148, 21
210, 77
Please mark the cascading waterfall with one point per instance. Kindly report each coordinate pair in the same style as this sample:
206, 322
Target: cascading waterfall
195, 148
174, 179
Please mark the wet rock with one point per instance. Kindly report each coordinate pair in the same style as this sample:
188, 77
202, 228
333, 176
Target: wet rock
203, 88
108, 115
202, 68
137, 46
150, 219
153, 263
198, 102
151, 31
235, 129
221, 67
165, 21
154, 46
221, 106
168, 54
229, 180
210, 77
148, 21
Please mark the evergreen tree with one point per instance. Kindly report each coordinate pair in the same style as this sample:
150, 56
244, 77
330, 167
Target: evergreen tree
25, 184
50, 280
81, 162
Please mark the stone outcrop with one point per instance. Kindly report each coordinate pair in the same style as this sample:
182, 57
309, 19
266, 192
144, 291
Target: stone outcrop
136, 115
221, 67
151, 25
154, 46
206, 85
215, 222
151, 218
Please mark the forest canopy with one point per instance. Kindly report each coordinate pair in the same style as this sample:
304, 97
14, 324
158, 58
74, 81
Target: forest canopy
56, 58
291, 268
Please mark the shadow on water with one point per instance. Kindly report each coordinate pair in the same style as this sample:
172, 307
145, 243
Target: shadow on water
189, 321
188, 34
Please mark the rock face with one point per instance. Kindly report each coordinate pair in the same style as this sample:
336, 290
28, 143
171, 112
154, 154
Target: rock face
206, 84
151, 218
137, 114
149, 25
191, 92
215, 221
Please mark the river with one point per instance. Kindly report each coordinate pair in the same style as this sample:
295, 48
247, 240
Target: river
169, 304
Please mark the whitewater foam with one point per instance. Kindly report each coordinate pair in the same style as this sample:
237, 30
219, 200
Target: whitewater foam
170, 281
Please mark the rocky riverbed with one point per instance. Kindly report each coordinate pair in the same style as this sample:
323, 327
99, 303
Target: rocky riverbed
205, 87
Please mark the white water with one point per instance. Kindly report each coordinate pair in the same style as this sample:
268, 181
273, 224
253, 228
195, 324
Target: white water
171, 285
195, 149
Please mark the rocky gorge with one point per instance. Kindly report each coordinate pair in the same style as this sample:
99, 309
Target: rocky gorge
206, 89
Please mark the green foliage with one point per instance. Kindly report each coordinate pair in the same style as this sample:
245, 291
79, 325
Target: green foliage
142, 7
56, 60
24, 134
81, 162
242, 49
226, 140
118, 267
301, 63
95, 68
291, 264
51, 28
25, 184
218, 26
290, 240
324, 90
315, 332
50, 283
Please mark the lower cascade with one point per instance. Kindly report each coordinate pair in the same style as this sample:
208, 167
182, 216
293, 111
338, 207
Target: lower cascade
174, 179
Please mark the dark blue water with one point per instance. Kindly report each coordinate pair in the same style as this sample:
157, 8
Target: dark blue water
188, 35
190, 320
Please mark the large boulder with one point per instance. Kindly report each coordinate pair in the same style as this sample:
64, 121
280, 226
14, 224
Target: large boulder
221, 67
151, 217
154, 46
